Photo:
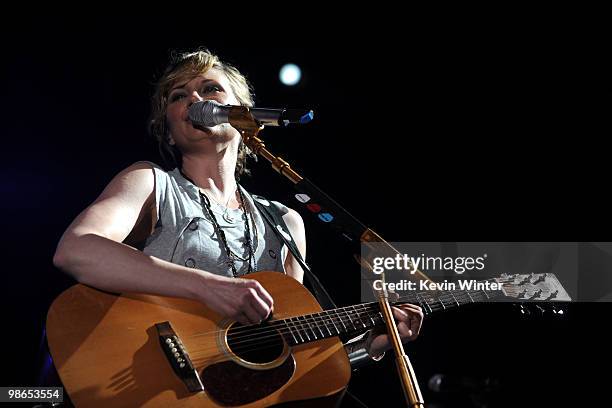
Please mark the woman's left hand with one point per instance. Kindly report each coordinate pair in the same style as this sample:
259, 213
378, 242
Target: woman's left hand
408, 319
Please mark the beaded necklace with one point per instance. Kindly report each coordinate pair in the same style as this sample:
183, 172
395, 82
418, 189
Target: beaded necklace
231, 256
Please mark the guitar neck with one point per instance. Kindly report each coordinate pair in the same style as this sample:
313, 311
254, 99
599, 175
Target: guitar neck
355, 319
438, 299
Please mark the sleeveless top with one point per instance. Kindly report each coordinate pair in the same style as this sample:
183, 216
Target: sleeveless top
184, 233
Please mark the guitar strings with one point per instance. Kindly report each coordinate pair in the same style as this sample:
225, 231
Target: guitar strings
273, 331
365, 308
199, 355
417, 299
304, 325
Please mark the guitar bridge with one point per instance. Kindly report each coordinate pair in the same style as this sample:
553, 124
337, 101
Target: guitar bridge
177, 357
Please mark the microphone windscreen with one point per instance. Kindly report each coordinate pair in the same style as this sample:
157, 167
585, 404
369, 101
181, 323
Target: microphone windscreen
204, 113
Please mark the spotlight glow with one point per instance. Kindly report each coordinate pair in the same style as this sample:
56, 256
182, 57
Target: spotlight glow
290, 74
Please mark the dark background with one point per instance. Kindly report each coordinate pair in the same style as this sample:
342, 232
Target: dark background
437, 133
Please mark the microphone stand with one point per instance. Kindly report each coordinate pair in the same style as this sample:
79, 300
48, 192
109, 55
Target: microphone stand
351, 228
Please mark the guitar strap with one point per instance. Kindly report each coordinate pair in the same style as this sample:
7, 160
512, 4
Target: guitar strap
273, 215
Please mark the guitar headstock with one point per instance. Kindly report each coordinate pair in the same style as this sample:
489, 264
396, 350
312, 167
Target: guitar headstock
533, 287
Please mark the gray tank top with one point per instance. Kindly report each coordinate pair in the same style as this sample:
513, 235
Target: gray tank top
184, 233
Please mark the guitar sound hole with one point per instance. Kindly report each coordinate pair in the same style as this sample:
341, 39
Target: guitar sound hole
255, 344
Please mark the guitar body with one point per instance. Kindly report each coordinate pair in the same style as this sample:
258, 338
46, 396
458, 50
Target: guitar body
107, 351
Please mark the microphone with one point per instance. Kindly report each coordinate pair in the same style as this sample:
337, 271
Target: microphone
211, 113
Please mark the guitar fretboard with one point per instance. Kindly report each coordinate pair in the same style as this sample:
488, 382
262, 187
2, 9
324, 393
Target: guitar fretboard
357, 319
330, 323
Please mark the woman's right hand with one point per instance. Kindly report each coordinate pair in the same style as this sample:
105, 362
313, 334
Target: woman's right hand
243, 300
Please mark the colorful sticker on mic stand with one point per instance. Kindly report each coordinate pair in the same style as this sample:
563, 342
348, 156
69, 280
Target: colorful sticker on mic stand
314, 207
326, 217
302, 198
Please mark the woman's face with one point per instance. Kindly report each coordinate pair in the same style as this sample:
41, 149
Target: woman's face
212, 85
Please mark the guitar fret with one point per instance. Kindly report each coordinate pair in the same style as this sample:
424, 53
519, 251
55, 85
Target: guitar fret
371, 318
359, 317
300, 330
441, 302
478, 296
351, 320
367, 315
426, 304
334, 324
316, 323
456, 301
329, 319
307, 324
342, 322
290, 331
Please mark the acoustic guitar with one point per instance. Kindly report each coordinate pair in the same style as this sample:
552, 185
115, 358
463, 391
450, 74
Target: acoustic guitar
135, 350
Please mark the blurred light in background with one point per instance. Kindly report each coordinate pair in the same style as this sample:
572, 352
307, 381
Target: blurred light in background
290, 74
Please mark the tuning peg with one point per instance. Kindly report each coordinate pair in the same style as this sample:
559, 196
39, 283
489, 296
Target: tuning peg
552, 295
536, 294
522, 294
542, 278
526, 280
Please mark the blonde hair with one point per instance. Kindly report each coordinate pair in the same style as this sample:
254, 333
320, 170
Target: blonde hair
184, 67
